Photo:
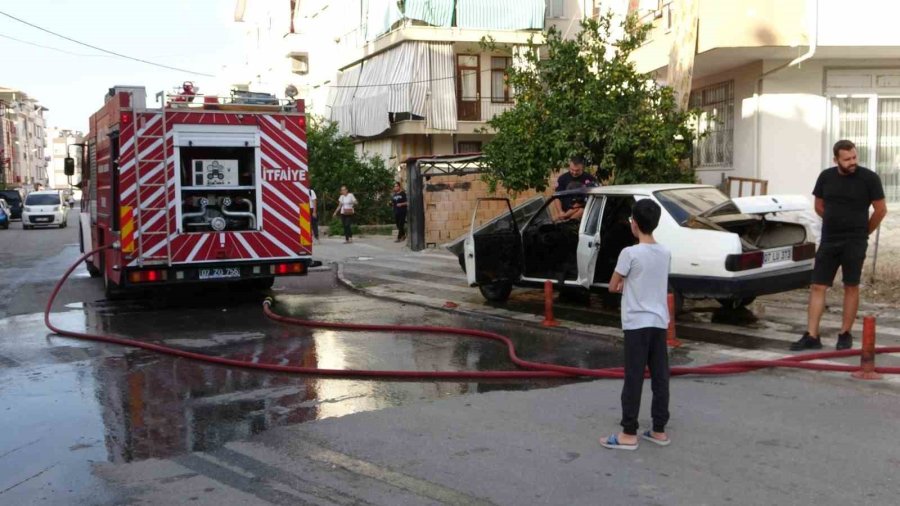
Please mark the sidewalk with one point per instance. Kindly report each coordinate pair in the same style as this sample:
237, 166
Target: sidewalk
434, 279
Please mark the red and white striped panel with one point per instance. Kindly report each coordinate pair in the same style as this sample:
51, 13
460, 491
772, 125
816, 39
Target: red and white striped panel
284, 188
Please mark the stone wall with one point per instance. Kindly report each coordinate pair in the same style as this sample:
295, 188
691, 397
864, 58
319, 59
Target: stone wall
450, 202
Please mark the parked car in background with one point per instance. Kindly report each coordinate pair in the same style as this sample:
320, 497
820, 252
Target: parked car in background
4, 214
14, 198
731, 250
44, 208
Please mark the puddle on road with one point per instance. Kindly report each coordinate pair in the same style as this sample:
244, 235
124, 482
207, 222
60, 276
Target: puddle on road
143, 405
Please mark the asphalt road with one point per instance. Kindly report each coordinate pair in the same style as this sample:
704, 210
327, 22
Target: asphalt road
67, 405
88, 423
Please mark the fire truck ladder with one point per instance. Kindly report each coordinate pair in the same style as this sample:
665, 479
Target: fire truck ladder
148, 164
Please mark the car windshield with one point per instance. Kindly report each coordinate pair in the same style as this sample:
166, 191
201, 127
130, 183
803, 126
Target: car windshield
686, 202
42, 200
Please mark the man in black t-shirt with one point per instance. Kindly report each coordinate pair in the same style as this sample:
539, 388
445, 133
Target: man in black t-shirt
577, 175
400, 204
575, 178
843, 194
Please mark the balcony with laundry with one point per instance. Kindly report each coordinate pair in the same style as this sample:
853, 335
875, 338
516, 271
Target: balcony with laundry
423, 88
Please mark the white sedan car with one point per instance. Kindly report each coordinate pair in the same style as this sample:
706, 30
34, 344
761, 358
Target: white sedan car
727, 249
44, 208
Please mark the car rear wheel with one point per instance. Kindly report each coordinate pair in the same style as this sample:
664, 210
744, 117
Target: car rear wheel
734, 303
496, 292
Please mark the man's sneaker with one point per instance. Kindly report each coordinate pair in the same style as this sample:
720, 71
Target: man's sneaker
807, 342
845, 341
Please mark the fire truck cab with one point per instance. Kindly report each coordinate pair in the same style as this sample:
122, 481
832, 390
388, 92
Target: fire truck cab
214, 191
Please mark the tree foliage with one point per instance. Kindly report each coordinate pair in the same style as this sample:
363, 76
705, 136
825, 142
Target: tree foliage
584, 97
333, 162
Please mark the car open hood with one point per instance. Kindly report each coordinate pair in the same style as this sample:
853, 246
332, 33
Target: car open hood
763, 204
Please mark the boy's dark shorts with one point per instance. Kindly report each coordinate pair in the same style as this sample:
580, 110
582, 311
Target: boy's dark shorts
848, 254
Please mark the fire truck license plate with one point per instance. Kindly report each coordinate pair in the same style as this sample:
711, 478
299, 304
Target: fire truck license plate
778, 255
228, 272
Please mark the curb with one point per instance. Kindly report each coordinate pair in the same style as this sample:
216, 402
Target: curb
611, 335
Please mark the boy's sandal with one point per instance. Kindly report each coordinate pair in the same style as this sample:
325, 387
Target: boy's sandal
649, 437
612, 442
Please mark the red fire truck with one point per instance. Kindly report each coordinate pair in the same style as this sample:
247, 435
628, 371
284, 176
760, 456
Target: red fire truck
202, 189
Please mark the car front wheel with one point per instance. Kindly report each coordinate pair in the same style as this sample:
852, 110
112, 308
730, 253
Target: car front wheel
734, 303
496, 292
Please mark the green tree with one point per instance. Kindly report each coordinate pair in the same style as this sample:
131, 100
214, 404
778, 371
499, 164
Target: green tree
584, 97
333, 162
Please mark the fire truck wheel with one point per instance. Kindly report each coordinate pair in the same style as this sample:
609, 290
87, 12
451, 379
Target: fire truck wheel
112, 290
93, 271
263, 283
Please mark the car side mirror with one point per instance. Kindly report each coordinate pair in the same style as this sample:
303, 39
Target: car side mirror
69, 166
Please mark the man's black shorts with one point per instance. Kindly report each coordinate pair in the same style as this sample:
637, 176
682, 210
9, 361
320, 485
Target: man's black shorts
848, 254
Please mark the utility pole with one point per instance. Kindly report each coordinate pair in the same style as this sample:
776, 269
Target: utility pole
680, 73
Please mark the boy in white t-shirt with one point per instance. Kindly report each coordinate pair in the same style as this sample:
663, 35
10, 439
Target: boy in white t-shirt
642, 276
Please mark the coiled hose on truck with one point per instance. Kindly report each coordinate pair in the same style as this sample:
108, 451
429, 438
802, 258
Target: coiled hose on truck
530, 370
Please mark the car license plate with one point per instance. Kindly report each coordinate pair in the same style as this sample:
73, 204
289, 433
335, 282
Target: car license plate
42, 219
778, 255
226, 273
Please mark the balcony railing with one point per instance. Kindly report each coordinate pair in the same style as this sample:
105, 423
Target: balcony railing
480, 109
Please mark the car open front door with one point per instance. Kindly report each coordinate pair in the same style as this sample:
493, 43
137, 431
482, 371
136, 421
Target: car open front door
493, 253
589, 241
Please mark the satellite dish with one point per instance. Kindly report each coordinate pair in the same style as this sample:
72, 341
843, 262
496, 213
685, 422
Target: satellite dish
291, 91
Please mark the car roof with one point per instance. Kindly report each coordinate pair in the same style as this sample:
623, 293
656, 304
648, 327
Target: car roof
632, 189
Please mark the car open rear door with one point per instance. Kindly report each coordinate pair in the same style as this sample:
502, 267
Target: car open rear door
493, 253
589, 240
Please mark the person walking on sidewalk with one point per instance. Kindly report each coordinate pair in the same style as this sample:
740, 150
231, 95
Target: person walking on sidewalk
314, 214
347, 208
843, 194
400, 204
642, 276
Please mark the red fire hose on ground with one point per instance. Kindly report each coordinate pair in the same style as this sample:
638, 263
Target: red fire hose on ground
532, 370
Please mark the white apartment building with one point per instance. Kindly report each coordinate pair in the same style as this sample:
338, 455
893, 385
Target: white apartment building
403, 78
58, 143
785, 79
23, 139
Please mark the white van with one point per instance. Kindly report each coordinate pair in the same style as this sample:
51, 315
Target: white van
44, 208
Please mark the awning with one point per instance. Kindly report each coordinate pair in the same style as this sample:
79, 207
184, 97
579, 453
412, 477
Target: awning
400, 80
382, 14
433, 12
501, 14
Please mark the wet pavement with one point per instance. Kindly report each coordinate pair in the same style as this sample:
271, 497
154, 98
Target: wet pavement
68, 404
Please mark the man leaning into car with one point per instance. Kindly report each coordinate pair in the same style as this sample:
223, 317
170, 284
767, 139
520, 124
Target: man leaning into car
843, 196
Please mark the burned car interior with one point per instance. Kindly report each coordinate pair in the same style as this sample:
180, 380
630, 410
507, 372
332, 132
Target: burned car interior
550, 243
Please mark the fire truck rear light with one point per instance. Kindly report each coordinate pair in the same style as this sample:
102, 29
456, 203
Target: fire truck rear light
124, 118
257, 270
744, 261
284, 269
147, 276
804, 251
179, 275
